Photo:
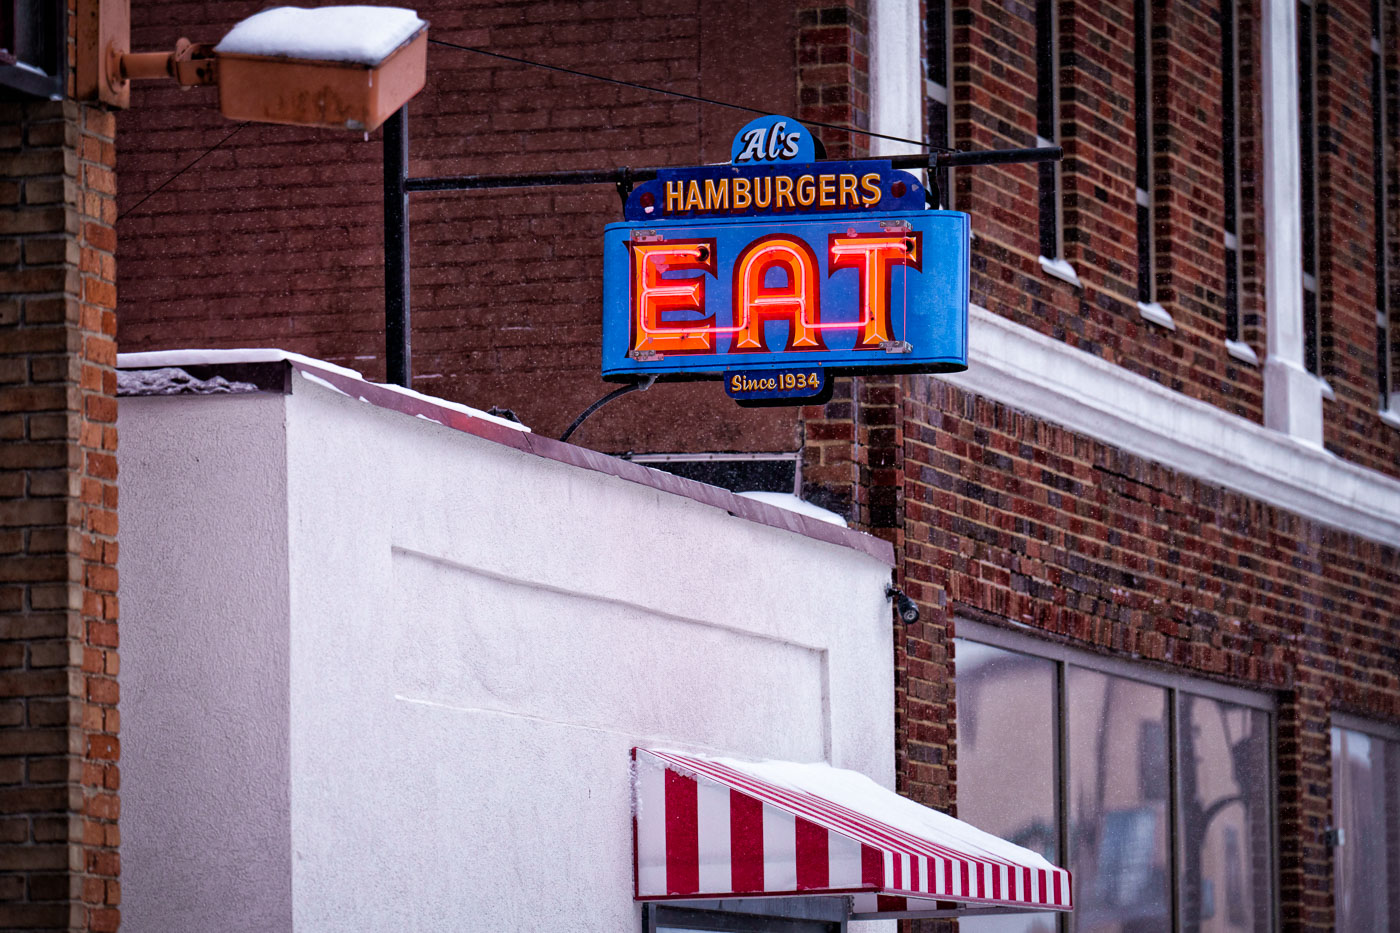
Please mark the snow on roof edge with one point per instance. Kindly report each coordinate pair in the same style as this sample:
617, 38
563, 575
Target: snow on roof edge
793, 503
180, 358
522, 438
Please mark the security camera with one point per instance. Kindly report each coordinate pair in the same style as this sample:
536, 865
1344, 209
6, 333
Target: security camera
908, 610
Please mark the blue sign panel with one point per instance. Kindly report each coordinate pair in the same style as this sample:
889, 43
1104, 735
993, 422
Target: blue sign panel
845, 292
771, 190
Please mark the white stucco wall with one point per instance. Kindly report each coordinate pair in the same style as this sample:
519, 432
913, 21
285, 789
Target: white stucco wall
206, 818
466, 640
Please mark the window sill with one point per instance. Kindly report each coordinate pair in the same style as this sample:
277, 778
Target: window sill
1061, 270
1327, 391
1242, 352
1390, 416
1157, 314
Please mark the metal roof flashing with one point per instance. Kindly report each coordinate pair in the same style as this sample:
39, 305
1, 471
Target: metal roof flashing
207, 372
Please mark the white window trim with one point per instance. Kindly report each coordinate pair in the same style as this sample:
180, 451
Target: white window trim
1047, 378
896, 75
1371, 727
1031, 641
1292, 395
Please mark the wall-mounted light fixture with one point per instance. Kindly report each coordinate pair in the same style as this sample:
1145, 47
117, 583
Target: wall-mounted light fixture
344, 67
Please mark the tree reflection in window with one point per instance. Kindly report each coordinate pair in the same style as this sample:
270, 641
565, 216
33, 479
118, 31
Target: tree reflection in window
1163, 812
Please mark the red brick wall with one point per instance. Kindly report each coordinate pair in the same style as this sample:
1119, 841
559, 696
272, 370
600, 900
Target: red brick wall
1346, 239
59, 746
994, 88
1009, 519
274, 239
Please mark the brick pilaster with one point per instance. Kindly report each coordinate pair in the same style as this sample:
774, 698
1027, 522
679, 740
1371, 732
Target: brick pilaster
59, 776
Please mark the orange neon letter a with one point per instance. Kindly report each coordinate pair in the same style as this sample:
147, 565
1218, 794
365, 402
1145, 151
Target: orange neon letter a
872, 255
798, 301
653, 297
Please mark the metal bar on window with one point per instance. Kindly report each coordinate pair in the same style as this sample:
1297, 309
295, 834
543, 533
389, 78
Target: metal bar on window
1010, 640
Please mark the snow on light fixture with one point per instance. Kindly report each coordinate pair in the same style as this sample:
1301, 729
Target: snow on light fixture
345, 67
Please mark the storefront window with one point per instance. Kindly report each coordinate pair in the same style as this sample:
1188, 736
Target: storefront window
997, 738
1117, 802
1223, 751
1155, 791
1366, 830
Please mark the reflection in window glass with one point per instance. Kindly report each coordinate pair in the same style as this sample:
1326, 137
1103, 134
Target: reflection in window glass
1223, 754
1118, 789
1006, 725
1366, 808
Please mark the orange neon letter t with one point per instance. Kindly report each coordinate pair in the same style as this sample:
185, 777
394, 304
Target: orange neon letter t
872, 255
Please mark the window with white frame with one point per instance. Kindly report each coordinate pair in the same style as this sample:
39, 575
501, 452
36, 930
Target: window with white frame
1142, 109
1308, 157
1047, 126
1365, 833
1155, 790
1380, 105
940, 104
1230, 170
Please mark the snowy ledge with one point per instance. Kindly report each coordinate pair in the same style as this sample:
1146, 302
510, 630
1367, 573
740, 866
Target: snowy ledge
364, 35
1061, 269
319, 369
468, 420
1152, 311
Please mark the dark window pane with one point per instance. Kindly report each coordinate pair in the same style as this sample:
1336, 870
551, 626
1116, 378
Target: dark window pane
1144, 252
1006, 725
1118, 819
1049, 211
1232, 295
1307, 133
1223, 758
1229, 122
938, 41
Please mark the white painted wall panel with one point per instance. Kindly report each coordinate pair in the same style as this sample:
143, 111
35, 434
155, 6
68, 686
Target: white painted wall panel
206, 837
476, 639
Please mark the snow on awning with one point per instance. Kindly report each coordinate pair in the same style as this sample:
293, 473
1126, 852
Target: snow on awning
718, 827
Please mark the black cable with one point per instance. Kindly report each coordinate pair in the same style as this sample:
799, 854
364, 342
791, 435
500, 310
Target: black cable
643, 385
702, 100
156, 190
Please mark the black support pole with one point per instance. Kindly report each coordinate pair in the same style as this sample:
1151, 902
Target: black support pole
398, 351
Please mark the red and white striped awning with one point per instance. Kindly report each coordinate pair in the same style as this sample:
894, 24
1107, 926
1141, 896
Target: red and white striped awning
708, 828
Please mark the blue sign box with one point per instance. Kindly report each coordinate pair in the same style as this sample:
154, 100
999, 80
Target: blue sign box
846, 292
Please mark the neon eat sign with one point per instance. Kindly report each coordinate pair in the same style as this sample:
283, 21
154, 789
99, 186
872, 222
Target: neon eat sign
667, 314
768, 263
